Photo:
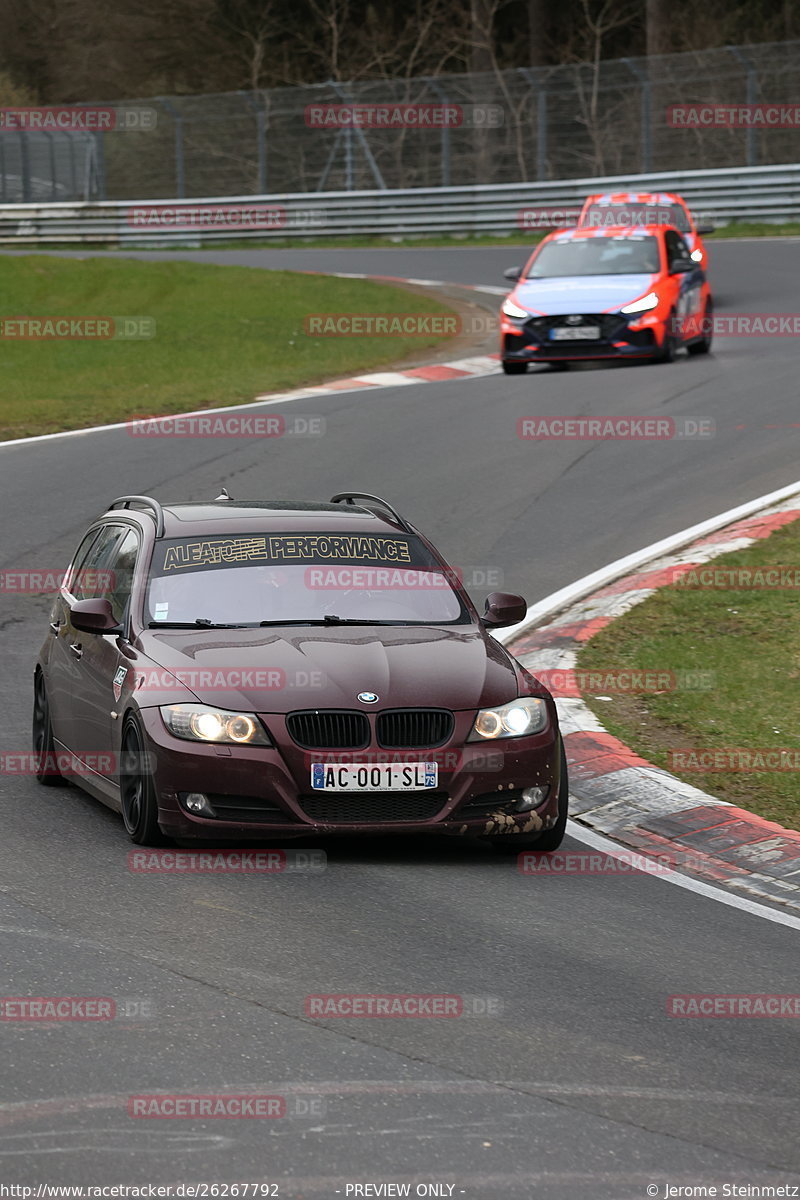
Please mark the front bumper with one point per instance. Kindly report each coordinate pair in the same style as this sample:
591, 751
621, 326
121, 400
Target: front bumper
619, 337
261, 792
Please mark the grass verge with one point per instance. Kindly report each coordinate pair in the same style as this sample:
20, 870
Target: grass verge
222, 336
748, 641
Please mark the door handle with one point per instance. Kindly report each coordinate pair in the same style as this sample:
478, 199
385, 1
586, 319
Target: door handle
55, 626
77, 649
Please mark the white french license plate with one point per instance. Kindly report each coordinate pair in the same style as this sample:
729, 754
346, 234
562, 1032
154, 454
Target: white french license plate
575, 333
383, 777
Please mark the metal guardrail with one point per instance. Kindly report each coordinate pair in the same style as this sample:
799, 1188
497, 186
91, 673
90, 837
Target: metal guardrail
769, 194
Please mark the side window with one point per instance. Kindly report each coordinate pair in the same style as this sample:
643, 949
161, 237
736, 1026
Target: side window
79, 557
89, 580
677, 250
120, 569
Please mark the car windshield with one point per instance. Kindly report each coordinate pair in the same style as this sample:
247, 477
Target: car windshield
624, 255
601, 216
299, 577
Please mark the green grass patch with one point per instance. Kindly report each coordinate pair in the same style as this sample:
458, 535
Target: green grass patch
748, 641
756, 229
222, 336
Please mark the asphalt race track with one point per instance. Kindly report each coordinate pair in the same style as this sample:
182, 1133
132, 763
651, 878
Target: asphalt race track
582, 1086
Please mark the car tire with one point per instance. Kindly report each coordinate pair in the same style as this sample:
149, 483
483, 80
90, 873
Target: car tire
44, 747
137, 794
515, 368
552, 838
703, 344
667, 354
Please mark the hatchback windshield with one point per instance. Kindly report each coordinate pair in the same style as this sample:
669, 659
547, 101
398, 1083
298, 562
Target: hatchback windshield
288, 577
625, 255
601, 216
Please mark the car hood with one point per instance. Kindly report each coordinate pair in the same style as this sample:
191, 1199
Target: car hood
581, 293
277, 671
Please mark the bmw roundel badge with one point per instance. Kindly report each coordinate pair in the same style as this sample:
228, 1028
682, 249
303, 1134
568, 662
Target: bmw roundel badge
368, 697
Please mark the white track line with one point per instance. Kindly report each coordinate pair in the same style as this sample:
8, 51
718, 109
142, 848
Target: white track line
599, 842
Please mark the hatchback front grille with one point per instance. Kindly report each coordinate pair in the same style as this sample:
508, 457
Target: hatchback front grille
414, 728
612, 326
329, 730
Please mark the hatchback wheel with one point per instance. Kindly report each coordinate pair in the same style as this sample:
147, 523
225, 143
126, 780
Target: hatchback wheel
139, 806
703, 344
668, 350
44, 748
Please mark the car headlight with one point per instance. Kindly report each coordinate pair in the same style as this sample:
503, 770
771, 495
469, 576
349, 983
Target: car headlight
644, 305
202, 723
510, 309
697, 255
515, 719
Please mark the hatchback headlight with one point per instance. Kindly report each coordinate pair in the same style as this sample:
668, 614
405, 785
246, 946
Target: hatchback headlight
644, 305
202, 723
515, 719
510, 309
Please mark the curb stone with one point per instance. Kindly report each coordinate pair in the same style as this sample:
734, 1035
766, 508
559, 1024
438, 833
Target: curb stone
614, 791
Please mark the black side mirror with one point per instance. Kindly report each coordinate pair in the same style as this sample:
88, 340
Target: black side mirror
502, 609
680, 266
512, 273
93, 616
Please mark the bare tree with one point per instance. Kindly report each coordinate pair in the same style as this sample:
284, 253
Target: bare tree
538, 25
658, 22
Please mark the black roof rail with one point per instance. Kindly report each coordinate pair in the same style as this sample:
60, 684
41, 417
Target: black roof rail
350, 497
148, 503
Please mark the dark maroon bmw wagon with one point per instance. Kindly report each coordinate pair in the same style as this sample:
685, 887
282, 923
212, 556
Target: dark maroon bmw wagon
243, 669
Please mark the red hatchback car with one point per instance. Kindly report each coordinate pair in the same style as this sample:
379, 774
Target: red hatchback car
244, 669
636, 209
606, 293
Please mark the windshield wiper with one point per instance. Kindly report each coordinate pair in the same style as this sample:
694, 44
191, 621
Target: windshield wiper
333, 620
199, 623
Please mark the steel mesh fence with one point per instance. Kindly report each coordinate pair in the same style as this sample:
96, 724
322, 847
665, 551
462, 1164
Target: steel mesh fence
557, 123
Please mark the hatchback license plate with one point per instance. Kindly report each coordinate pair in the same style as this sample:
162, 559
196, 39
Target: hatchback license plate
575, 333
386, 777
